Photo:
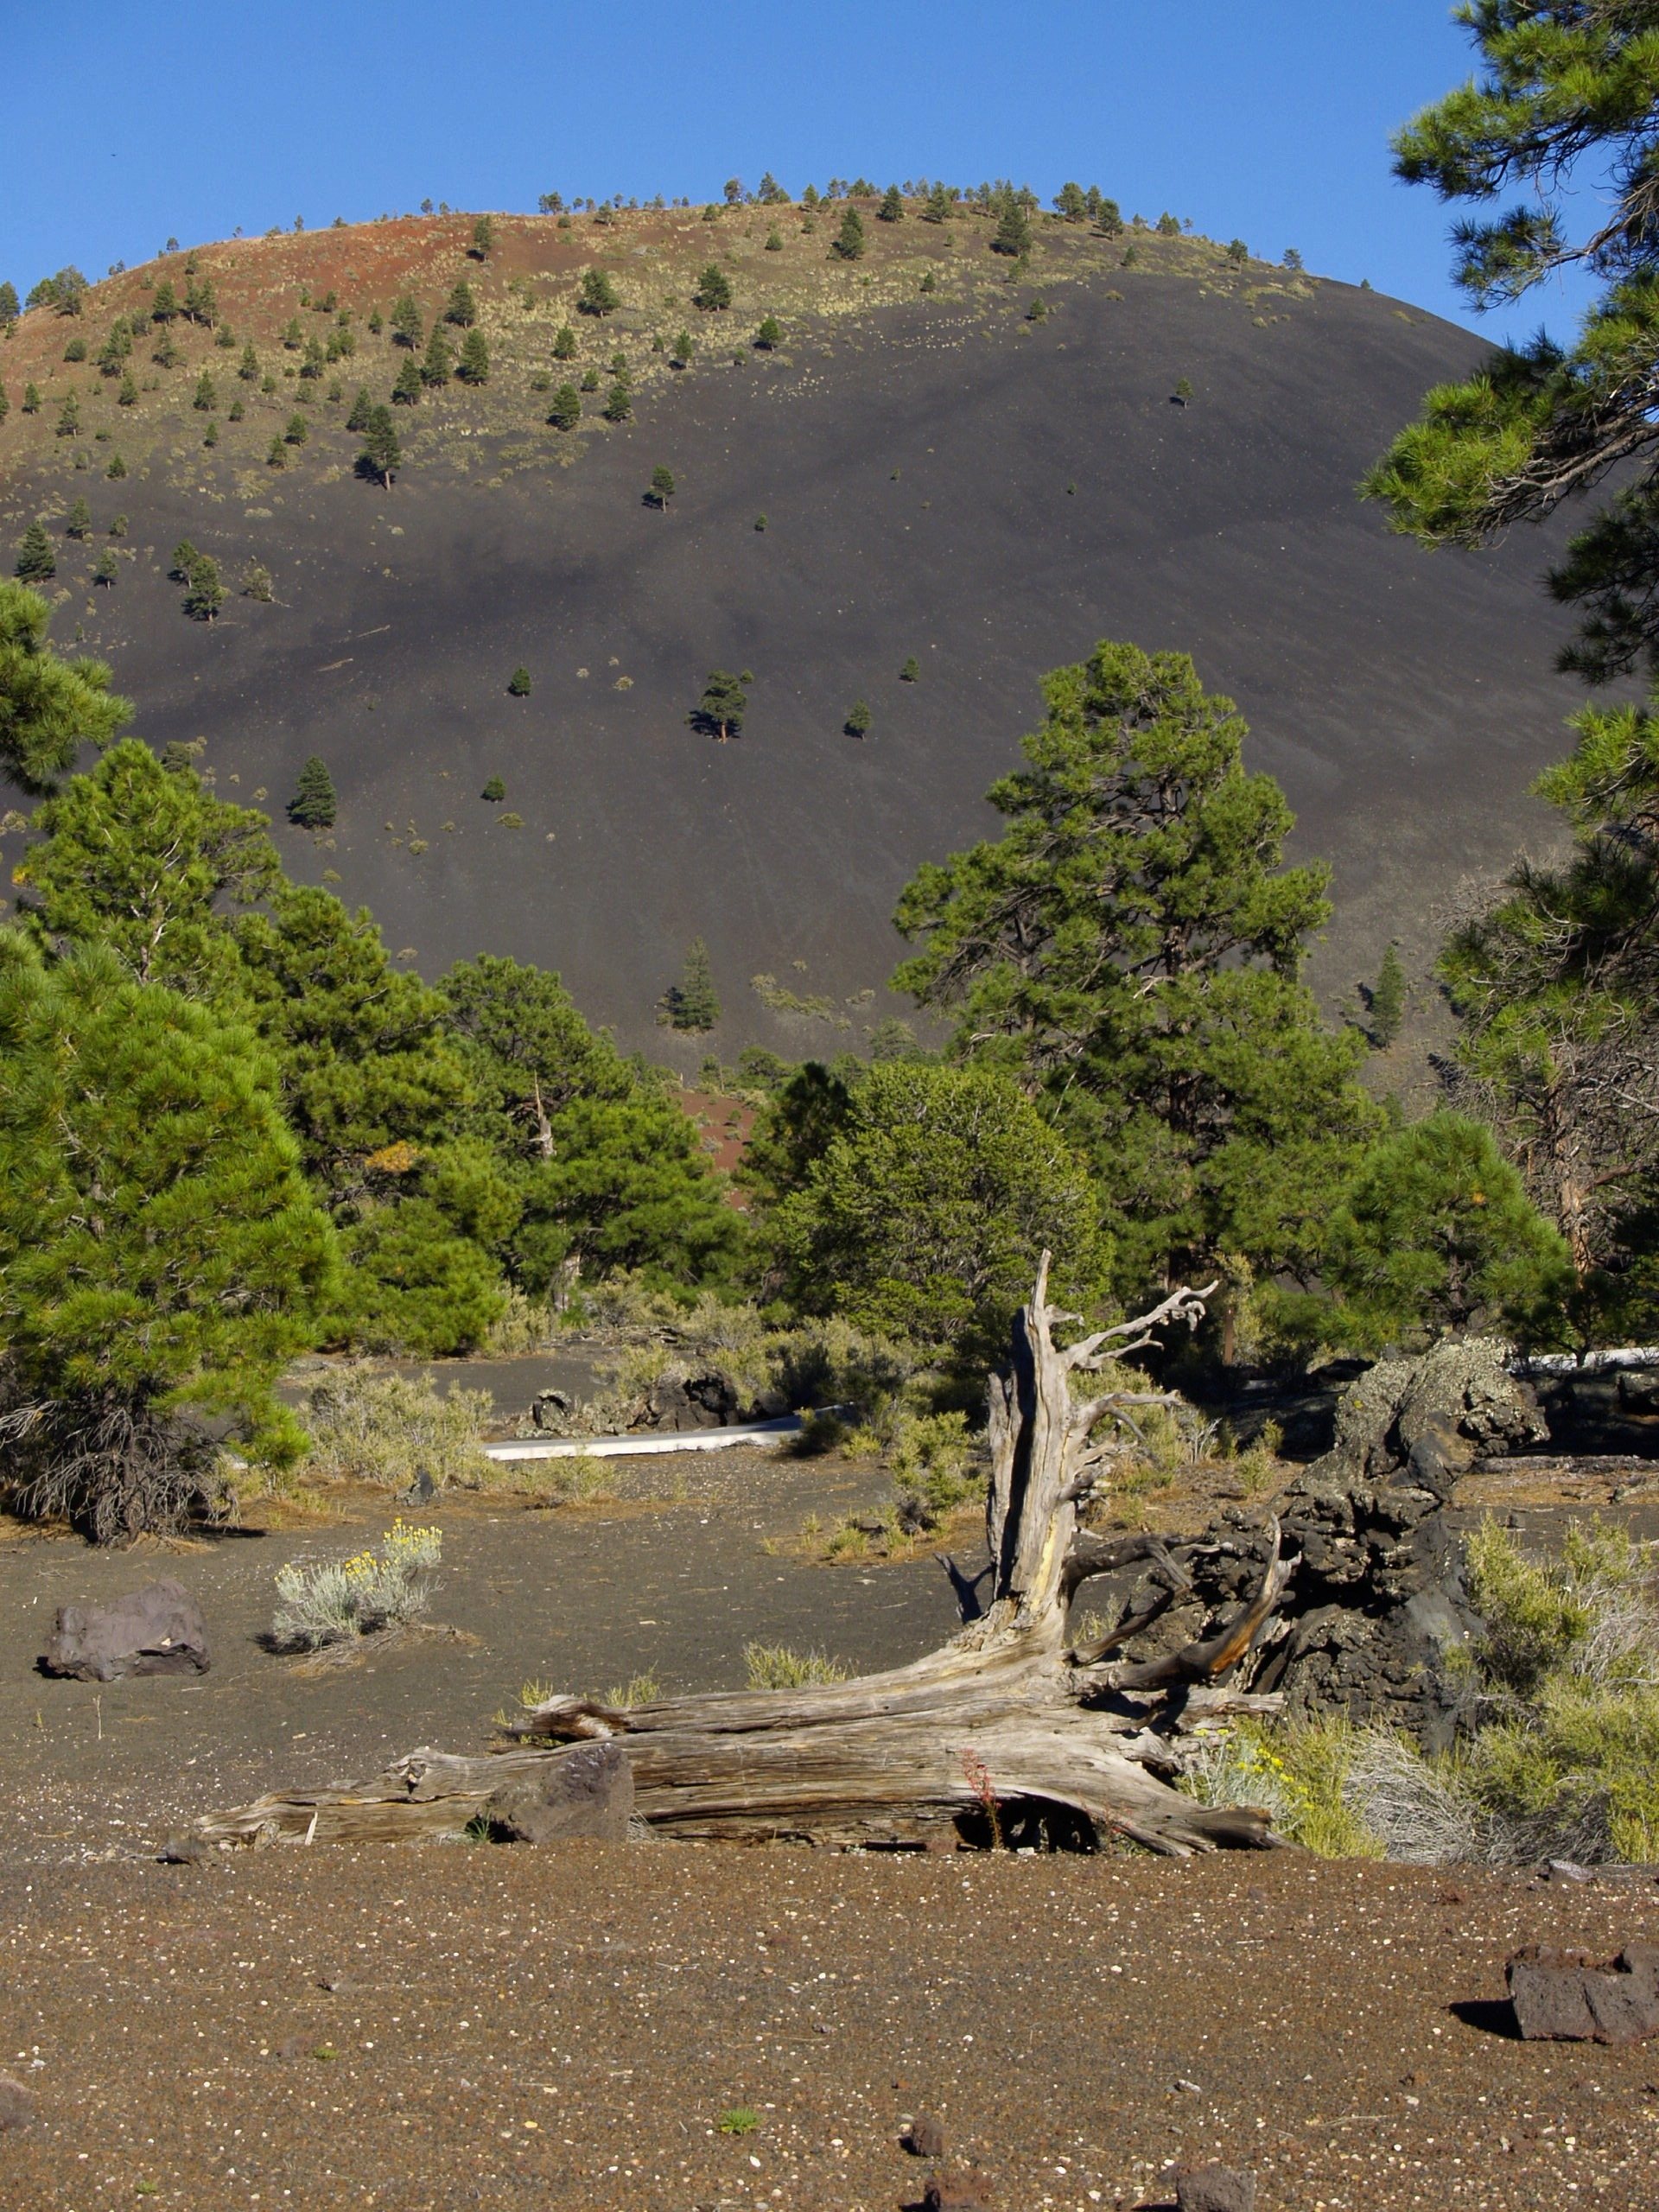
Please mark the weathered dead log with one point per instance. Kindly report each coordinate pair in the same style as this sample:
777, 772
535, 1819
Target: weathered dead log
1003, 1724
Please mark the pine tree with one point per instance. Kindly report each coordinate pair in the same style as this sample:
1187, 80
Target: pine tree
313, 805
207, 398
406, 326
36, 562
312, 367
566, 410
770, 334
108, 569
720, 710
184, 557
693, 1003
128, 395
714, 291
78, 523
495, 790
685, 346
69, 417
937, 209
439, 366
474, 366
564, 345
891, 209
406, 392
277, 454
1387, 1000
911, 673
619, 404
1012, 232
1128, 950
1238, 253
297, 432
362, 406
49, 708
847, 245
256, 581
774, 241
115, 466
590, 380
164, 303
461, 308
204, 595
483, 239
8, 306
518, 683
161, 1259
382, 455
1071, 202
597, 295
662, 488
857, 723
5, 404
32, 399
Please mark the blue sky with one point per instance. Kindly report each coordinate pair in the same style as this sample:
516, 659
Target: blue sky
127, 125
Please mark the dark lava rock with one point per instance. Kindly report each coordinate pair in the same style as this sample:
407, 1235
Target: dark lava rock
586, 1793
156, 1630
925, 2137
965, 2191
1215, 2189
16, 2105
1562, 1996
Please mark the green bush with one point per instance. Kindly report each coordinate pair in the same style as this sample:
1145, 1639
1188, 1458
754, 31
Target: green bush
385, 1429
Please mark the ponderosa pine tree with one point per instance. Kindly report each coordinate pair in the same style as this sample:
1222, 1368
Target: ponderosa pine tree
461, 308
619, 403
32, 399
382, 455
128, 395
204, 593
923, 1214
1129, 951
483, 239
108, 569
161, 1259
858, 720
49, 708
313, 805
406, 325
518, 684
1565, 99
693, 1003
362, 408
1388, 1006
406, 392
661, 488
770, 334
474, 366
1436, 1234
248, 367
8, 306
36, 562
891, 209
847, 245
564, 344
1013, 234
566, 410
597, 295
1556, 988
297, 432
79, 521
439, 364
714, 291
257, 582
720, 710
142, 858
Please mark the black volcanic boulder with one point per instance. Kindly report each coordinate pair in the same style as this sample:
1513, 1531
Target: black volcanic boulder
1562, 1996
156, 1630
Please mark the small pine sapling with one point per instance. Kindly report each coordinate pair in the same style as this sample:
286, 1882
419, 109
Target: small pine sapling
770, 334
78, 522
1388, 1006
713, 292
847, 245
518, 682
474, 366
256, 583
566, 410
36, 564
597, 295
911, 673
857, 723
314, 804
662, 488
495, 790
564, 346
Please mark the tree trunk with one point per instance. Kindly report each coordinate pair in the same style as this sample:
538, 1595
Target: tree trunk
1004, 1731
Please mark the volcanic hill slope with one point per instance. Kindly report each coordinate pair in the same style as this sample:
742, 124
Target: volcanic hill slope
939, 476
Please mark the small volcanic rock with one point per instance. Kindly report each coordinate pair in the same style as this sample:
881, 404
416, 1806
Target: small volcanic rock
925, 2138
16, 2105
965, 2191
1215, 2189
1562, 1996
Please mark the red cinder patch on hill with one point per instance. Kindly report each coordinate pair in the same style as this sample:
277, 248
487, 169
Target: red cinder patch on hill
726, 1125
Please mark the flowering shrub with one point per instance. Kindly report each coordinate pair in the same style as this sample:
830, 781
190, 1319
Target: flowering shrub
385, 1586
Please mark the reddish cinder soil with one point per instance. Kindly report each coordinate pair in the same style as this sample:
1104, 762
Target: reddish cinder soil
567, 2026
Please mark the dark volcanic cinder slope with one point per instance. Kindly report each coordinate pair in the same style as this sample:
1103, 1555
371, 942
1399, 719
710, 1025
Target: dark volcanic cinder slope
939, 478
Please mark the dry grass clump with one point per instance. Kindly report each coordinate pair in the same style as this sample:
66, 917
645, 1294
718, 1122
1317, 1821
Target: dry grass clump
385, 1429
335, 1601
776, 1666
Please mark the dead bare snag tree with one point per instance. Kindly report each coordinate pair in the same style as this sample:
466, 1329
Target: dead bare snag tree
1005, 1725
